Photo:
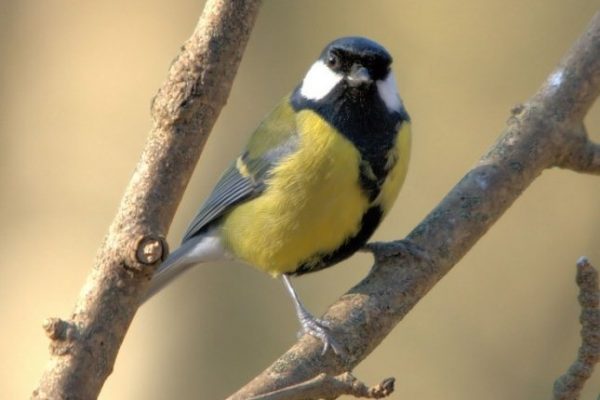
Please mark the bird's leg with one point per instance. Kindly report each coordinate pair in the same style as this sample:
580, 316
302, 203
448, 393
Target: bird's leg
313, 326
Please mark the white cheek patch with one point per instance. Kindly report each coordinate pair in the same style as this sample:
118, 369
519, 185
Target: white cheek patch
319, 81
388, 93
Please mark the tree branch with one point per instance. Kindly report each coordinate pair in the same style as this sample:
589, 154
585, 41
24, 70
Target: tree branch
585, 154
568, 386
542, 133
83, 349
329, 387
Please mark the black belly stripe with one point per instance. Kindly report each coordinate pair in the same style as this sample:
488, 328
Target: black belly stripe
368, 224
362, 117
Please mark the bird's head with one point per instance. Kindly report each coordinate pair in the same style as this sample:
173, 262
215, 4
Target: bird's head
351, 66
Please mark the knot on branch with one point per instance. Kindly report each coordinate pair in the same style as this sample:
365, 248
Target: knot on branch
517, 110
58, 329
150, 249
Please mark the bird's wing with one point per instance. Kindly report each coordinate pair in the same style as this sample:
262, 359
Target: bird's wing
275, 138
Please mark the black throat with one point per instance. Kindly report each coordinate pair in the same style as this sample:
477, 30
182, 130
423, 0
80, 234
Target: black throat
362, 117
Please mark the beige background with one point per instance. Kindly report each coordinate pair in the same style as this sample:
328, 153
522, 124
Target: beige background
76, 81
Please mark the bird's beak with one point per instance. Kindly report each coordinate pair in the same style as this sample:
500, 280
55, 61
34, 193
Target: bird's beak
359, 76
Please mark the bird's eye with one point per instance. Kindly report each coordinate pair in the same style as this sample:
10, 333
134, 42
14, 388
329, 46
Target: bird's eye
333, 61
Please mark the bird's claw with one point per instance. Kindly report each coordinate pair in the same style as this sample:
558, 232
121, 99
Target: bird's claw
320, 329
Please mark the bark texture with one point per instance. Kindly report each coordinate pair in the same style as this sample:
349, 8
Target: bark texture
84, 347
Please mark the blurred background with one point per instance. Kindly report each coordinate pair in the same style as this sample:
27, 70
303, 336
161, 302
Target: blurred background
76, 82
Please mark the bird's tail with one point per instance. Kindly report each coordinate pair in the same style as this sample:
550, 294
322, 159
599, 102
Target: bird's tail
176, 263
195, 250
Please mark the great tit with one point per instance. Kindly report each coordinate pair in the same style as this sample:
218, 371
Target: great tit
315, 180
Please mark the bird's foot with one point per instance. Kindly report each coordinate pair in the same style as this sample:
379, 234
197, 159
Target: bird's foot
320, 329
315, 327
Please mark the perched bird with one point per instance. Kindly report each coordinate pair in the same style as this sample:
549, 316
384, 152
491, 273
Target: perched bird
314, 181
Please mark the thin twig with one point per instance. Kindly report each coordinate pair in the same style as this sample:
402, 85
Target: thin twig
324, 386
568, 386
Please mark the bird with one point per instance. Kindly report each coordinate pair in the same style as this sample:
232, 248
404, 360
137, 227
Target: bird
314, 181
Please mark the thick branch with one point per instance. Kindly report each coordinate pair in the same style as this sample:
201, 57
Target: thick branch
568, 386
83, 349
538, 136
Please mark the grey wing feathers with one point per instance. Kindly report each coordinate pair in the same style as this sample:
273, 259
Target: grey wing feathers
231, 188
274, 139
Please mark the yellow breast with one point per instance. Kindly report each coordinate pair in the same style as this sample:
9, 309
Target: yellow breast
311, 205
